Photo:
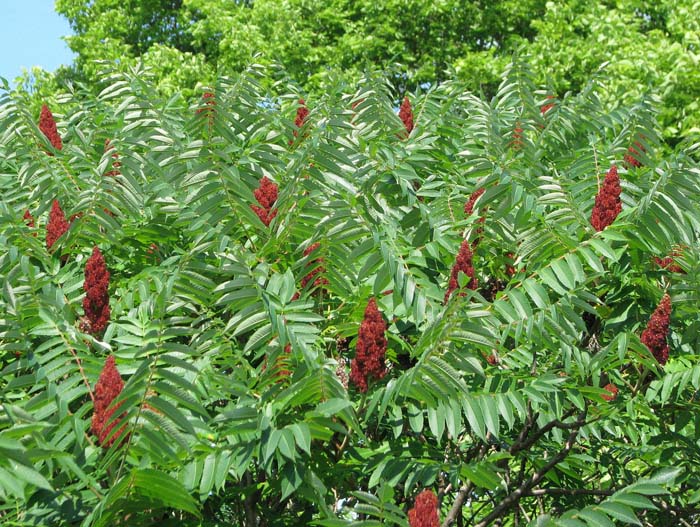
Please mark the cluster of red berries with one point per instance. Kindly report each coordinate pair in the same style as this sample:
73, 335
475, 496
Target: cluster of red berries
57, 226
633, 154
47, 125
266, 195
655, 335
96, 300
300, 119
462, 265
107, 389
371, 349
425, 510
406, 115
469, 210
607, 202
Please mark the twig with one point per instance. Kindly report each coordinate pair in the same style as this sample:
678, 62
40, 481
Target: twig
82, 373
523, 443
597, 168
514, 497
568, 492
456, 509
464, 491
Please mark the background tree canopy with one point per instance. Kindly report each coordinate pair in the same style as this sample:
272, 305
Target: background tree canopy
648, 45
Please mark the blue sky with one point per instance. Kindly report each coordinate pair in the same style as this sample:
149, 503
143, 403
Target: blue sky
30, 35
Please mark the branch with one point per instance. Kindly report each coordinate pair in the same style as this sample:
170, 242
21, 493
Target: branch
251, 519
514, 497
675, 510
82, 373
568, 492
523, 443
464, 491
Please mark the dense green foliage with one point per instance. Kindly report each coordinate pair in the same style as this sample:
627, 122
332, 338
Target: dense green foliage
225, 428
648, 45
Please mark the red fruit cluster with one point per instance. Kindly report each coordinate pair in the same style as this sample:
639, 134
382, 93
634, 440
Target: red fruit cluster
300, 119
371, 348
607, 202
107, 389
613, 390
469, 209
406, 115
302, 114
48, 126
266, 194
115, 164
28, 219
464, 265
469, 205
425, 510
632, 155
654, 336
318, 281
96, 301
57, 225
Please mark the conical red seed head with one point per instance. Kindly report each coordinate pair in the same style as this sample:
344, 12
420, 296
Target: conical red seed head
655, 335
463, 264
47, 125
266, 195
57, 225
469, 205
368, 363
406, 115
96, 301
302, 114
633, 154
300, 119
107, 389
469, 210
425, 510
607, 203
